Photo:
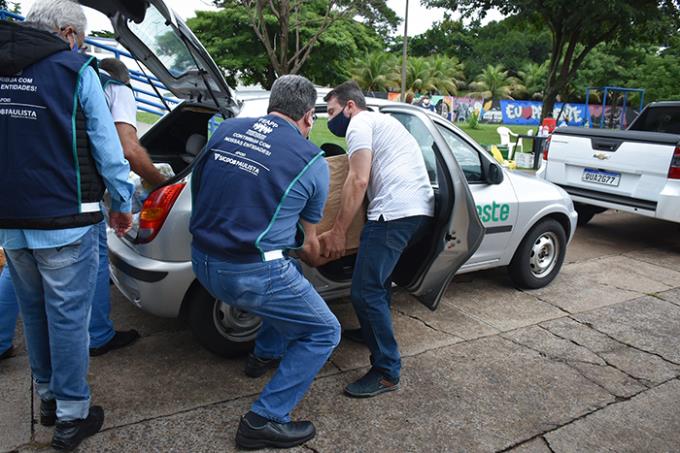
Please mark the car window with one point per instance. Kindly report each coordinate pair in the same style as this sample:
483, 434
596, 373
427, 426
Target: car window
467, 157
162, 40
418, 129
659, 119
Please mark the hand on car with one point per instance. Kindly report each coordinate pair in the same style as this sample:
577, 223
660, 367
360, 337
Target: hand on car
121, 222
333, 244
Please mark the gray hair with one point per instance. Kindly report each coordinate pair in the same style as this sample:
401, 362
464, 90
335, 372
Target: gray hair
293, 96
116, 69
51, 15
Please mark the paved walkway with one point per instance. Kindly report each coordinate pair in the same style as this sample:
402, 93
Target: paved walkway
590, 363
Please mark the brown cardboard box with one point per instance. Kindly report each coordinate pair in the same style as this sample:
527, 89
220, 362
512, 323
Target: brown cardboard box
338, 167
2, 258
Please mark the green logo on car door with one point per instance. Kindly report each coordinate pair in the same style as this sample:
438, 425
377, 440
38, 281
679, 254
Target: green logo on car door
493, 212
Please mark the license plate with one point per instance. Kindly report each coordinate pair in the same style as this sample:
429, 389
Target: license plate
606, 178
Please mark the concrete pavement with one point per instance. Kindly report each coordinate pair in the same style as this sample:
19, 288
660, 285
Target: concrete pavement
590, 363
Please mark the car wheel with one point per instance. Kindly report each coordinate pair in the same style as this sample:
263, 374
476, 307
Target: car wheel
540, 255
586, 213
224, 330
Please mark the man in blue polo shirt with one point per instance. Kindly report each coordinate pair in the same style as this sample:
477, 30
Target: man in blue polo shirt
258, 192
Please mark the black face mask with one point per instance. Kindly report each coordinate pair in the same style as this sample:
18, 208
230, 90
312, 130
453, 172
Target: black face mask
339, 123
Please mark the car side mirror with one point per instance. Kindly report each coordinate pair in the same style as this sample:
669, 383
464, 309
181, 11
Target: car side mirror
494, 174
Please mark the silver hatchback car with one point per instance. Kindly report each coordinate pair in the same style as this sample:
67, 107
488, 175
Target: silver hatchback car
485, 216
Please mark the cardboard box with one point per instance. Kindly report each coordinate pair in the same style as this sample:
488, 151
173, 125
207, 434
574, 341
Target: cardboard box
2, 258
338, 167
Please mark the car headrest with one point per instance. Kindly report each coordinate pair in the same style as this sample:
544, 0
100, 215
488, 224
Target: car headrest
195, 144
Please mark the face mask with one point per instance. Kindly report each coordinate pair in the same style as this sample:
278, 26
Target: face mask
339, 123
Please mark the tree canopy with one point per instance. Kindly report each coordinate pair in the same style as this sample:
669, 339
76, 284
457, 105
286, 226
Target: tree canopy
288, 30
578, 26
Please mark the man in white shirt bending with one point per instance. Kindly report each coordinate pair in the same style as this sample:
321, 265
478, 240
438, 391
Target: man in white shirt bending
385, 164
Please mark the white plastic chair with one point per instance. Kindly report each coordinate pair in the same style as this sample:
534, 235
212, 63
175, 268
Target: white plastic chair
505, 134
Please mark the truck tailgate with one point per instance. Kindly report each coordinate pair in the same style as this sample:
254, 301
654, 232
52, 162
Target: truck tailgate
627, 164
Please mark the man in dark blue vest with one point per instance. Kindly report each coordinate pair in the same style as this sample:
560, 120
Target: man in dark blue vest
258, 192
60, 150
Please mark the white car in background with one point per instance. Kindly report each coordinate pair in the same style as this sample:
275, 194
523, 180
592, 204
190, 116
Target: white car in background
485, 216
636, 170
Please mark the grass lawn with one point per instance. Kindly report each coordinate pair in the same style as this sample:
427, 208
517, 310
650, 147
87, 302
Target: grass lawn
320, 134
487, 135
148, 118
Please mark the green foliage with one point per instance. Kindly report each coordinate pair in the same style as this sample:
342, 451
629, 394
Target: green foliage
377, 71
102, 33
577, 27
473, 121
533, 78
494, 83
229, 36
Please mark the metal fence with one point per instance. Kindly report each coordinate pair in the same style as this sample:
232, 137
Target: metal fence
147, 99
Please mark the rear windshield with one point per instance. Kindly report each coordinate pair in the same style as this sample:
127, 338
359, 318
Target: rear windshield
162, 41
658, 119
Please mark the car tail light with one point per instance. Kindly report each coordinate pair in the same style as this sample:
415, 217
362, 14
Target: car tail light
674, 171
546, 145
155, 211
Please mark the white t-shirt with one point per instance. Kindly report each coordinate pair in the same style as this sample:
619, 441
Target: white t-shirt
399, 185
122, 104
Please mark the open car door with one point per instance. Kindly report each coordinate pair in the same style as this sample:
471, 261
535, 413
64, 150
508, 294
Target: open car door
160, 40
427, 267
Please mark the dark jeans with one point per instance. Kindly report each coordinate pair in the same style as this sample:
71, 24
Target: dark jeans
296, 322
380, 248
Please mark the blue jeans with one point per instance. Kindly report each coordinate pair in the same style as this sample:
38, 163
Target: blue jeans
8, 310
101, 326
55, 287
380, 247
296, 320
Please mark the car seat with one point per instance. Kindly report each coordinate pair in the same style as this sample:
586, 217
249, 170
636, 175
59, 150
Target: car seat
193, 147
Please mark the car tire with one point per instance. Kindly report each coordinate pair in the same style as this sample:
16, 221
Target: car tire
221, 329
540, 255
586, 213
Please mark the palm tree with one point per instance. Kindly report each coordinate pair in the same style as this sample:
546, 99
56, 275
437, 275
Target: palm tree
534, 77
494, 83
447, 74
419, 76
375, 72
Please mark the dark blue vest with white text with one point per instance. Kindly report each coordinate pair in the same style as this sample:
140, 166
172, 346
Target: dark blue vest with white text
241, 181
48, 175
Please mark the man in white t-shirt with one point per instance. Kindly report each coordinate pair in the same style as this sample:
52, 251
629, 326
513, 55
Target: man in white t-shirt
123, 106
385, 164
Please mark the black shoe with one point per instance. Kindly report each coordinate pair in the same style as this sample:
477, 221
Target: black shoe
48, 412
256, 367
8, 353
121, 339
68, 435
354, 335
373, 383
271, 434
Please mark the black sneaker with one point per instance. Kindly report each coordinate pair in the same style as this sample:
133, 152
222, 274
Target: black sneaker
251, 435
68, 435
120, 339
373, 383
256, 366
355, 335
48, 412
8, 353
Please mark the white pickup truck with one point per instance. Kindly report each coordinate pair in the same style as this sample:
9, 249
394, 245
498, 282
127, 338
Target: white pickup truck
635, 170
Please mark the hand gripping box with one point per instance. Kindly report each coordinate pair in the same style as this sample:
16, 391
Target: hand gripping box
338, 167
